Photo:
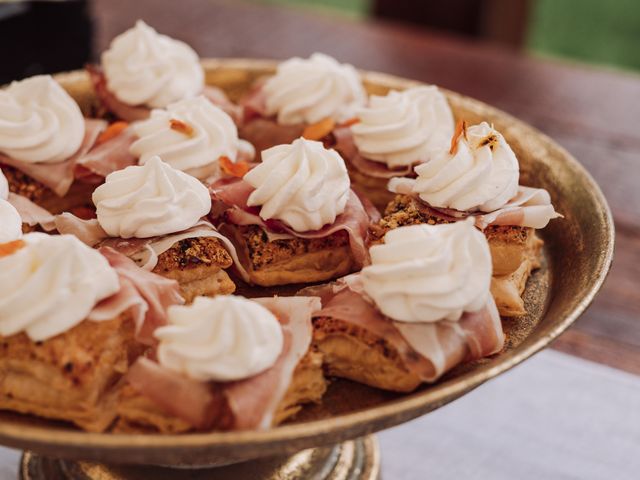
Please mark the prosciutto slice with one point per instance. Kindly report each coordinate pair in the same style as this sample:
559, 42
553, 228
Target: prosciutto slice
107, 157
59, 176
147, 295
531, 207
347, 148
354, 220
144, 251
428, 349
31, 213
254, 401
132, 113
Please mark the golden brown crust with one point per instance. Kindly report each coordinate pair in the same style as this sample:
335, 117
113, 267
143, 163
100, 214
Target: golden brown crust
307, 386
197, 265
355, 353
71, 376
291, 260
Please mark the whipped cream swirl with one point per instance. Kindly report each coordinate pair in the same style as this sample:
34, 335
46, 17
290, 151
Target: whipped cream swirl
51, 284
209, 133
481, 175
219, 339
404, 128
4, 187
427, 273
143, 67
10, 222
39, 121
150, 200
310, 90
303, 184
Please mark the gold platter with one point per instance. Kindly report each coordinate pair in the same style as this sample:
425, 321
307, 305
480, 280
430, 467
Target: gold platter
578, 253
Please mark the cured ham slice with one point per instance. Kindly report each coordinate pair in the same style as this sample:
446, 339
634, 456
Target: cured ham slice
347, 148
252, 402
107, 157
59, 176
31, 213
255, 400
531, 207
132, 113
147, 295
145, 251
354, 220
428, 349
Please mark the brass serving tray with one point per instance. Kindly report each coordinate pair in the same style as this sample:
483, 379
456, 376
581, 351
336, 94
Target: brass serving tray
578, 253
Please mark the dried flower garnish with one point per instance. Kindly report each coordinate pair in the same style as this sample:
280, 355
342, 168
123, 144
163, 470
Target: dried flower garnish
9, 248
351, 121
181, 127
490, 140
238, 169
111, 131
461, 129
319, 130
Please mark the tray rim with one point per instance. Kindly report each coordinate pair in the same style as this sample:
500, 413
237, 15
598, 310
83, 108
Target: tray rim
294, 437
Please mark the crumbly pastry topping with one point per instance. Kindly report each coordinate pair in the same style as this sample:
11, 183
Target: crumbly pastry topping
22, 184
263, 252
193, 253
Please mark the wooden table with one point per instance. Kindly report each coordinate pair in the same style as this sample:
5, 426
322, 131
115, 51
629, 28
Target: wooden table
594, 113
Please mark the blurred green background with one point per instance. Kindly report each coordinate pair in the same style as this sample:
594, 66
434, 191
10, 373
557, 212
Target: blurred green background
603, 32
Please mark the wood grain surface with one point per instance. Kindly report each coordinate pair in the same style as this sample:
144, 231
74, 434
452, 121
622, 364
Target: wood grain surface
594, 113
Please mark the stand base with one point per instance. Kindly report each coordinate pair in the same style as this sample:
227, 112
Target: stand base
353, 460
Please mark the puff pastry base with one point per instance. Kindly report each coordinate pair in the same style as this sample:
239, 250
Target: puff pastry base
72, 376
197, 264
290, 260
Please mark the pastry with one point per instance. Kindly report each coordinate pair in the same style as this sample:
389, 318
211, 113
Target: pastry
194, 136
305, 97
70, 325
293, 218
154, 214
226, 363
49, 153
422, 307
142, 70
478, 177
391, 135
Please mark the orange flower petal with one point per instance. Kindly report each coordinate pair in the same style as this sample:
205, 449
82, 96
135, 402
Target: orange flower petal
238, 169
8, 248
181, 127
111, 131
461, 129
319, 130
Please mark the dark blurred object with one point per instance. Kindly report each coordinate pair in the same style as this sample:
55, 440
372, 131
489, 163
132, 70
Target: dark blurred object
43, 37
501, 21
